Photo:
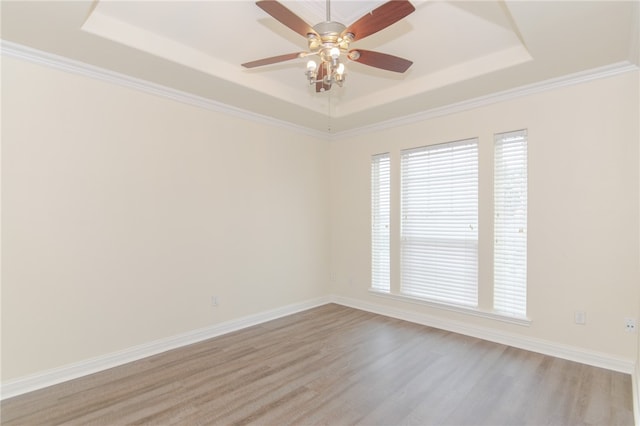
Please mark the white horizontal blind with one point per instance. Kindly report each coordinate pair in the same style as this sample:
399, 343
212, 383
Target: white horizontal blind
440, 222
380, 217
510, 224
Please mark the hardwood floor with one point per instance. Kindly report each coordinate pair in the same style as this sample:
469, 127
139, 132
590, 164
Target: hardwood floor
336, 365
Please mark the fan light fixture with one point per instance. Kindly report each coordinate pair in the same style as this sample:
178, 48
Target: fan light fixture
330, 40
331, 69
334, 73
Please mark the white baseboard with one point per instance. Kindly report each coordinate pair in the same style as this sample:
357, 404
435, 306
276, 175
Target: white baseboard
72, 371
54, 376
558, 350
635, 391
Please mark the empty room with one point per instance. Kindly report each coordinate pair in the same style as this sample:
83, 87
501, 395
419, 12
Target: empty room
308, 212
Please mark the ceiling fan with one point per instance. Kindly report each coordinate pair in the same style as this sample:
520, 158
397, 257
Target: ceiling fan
330, 41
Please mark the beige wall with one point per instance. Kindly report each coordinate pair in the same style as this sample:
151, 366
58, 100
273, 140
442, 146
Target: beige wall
637, 367
123, 213
583, 209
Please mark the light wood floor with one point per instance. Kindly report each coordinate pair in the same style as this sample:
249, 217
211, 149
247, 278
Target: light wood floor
335, 365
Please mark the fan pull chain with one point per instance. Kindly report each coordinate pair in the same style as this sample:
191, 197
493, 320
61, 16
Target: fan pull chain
329, 112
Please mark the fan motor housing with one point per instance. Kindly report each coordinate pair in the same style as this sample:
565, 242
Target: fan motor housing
329, 31
331, 34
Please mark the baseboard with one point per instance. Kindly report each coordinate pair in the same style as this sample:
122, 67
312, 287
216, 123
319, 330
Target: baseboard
54, 376
545, 347
72, 371
635, 391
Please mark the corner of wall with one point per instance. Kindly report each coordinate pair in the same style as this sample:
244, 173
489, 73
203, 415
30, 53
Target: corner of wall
76, 370
635, 392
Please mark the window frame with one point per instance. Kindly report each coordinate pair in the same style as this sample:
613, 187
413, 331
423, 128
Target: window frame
510, 198
381, 222
439, 192
484, 307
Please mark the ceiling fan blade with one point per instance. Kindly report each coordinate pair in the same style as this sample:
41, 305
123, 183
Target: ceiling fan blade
380, 60
321, 86
380, 18
272, 60
286, 17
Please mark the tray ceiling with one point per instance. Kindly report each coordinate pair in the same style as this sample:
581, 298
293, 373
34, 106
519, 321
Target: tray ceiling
460, 50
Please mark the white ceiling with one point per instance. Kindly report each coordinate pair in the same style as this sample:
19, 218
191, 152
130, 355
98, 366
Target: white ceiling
461, 50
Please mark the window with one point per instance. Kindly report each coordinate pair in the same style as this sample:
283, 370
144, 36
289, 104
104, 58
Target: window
439, 225
510, 223
438, 236
380, 218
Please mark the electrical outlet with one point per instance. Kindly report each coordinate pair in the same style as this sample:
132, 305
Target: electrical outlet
630, 325
580, 317
214, 301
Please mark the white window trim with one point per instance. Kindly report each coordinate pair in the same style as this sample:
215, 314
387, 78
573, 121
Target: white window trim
483, 310
380, 198
437, 179
476, 312
510, 270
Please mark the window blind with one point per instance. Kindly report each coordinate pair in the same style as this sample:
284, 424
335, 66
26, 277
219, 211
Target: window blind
439, 233
510, 223
380, 219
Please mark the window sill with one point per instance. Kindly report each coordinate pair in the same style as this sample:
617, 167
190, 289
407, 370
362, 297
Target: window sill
526, 322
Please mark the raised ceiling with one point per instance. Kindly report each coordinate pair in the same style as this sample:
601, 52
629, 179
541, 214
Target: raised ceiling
461, 50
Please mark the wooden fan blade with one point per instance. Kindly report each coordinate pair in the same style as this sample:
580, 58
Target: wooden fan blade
379, 18
286, 17
380, 60
271, 60
321, 86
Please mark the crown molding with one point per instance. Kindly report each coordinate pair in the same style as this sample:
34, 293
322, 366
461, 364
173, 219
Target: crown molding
506, 95
18, 51
15, 50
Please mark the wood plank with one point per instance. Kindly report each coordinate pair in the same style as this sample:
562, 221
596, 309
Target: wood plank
336, 365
